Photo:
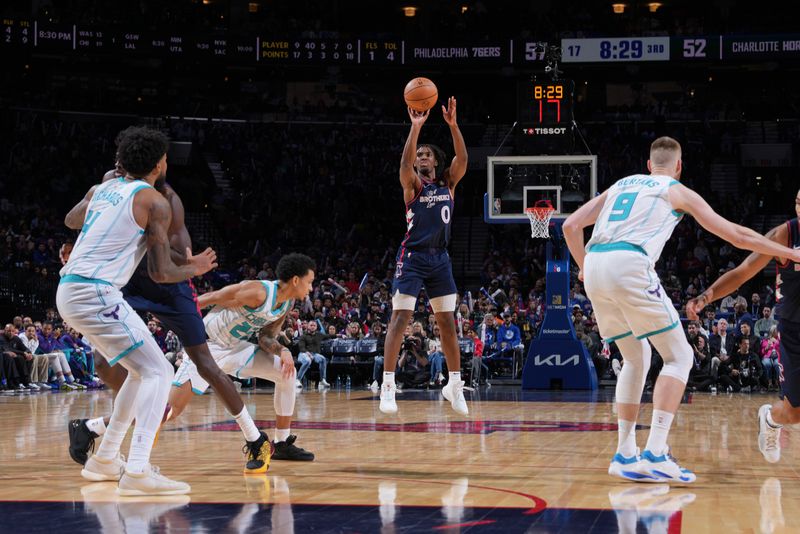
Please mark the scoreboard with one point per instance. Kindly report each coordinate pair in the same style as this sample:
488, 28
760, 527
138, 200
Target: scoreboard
43, 37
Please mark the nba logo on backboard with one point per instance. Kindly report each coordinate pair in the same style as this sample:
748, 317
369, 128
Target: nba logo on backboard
556, 300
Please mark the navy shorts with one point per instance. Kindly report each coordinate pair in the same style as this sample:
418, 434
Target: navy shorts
431, 269
789, 361
175, 305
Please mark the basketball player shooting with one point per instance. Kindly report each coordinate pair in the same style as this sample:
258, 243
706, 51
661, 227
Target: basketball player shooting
771, 418
428, 191
633, 219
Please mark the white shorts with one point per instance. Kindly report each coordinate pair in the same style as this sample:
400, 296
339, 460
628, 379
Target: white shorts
627, 295
97, 310
235, 360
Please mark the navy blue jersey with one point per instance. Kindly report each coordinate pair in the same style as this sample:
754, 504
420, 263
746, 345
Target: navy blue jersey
787, 282
428, 218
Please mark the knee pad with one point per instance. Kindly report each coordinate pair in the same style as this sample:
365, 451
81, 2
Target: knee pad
636, 354
676, 352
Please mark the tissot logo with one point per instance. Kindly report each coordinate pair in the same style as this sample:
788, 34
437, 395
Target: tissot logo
556, 360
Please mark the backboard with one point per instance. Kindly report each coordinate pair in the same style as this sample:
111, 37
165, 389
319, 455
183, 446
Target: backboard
515, 183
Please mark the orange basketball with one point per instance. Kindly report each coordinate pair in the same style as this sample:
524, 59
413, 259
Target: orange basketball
421, 94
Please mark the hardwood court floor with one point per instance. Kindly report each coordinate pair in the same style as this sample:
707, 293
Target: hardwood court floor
520, 462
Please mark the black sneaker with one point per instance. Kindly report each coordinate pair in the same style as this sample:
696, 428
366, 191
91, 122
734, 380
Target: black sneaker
258, 454
81, 440
287, 450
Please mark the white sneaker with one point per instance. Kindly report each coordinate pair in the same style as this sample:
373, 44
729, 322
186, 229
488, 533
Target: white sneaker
150, 482
663, 468
99, 469
454, 392
33, 386
619, 466
388, 404
769, 437
324, 383
440, 378
374, 386
298, 384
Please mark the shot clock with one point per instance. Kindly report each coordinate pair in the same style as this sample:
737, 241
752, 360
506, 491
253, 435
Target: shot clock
545, 108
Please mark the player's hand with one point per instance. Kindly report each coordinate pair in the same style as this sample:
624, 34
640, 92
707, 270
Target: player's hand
64, 252
418, 118
693, 309
203, 262
449, 112
580, 275
287, 364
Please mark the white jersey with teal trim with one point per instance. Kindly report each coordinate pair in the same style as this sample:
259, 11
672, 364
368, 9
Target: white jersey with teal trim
228, 326
111, 244
637, 212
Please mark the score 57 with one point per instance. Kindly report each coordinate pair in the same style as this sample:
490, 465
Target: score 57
535, 51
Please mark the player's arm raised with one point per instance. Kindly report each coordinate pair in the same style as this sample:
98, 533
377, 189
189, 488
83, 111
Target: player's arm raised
573, 227
160, 266
458, 167
250, 293
408, 176
684, 199
733, 279
76, 216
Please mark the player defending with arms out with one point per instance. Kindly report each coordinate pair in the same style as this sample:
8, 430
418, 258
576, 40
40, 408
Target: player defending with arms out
632, 221
428, 191
124, 219
240, 311
175, 305
787, 310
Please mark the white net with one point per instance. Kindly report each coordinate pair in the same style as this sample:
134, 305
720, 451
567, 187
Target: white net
540, 219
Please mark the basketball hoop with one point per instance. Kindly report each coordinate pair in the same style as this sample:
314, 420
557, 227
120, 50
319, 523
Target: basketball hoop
539, 215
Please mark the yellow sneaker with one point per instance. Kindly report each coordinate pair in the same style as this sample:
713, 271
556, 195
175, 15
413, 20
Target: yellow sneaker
259, 453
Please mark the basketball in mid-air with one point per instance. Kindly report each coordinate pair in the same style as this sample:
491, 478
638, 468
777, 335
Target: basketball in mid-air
421, 94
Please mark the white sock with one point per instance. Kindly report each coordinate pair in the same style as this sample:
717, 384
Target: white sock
388, 378
281, 434
112, 440
70, 380
626, 438
771, 422
141, 446
98, 426
61, 379
247, 425
455, 376
659, 431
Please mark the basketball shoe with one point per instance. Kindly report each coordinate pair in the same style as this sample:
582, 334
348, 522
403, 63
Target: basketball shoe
454, 392
150, 482
662, 468
99, 469
287, 450
388, 403
769, 437
81, 440
620, 464
259, 453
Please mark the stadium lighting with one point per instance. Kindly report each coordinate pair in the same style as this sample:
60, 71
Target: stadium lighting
464, 9
619, 9
653, 6
410, 11
252, 7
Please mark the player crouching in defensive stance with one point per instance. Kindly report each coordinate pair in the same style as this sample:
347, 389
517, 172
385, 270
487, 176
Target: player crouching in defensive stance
238, 312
